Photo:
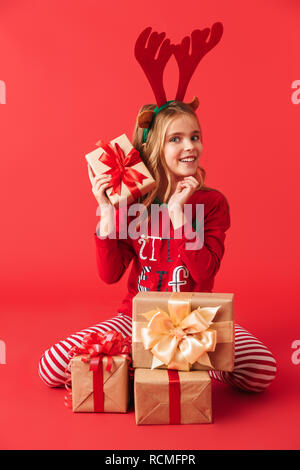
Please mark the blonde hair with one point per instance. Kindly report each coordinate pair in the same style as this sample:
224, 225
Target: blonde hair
152, 151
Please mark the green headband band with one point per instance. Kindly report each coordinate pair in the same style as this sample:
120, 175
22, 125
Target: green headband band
156, 111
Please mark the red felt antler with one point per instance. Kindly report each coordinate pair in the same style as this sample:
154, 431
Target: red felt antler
187, 63
154, 67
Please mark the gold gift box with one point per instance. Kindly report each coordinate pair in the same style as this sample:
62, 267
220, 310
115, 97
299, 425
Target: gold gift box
222, 358
151, 397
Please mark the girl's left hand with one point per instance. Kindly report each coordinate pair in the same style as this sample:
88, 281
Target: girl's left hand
184, 190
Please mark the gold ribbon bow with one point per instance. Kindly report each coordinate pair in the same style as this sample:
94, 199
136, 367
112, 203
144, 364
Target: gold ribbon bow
180, 338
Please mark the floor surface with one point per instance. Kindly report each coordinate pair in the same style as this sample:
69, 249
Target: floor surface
33, 416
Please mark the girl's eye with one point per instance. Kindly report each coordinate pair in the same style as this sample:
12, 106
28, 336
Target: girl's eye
177, 139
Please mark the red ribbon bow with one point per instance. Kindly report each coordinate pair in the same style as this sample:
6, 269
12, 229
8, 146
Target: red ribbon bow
94, 347
120, 168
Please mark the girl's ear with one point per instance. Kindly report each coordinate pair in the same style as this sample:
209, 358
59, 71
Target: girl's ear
144, 119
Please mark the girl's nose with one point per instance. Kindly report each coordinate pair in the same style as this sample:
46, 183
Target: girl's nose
188, 144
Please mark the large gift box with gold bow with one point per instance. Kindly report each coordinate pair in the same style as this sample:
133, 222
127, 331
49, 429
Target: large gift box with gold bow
99, 374
130, 177
183, 331
172, 397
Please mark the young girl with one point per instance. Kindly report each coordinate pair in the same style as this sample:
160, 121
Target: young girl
171, 152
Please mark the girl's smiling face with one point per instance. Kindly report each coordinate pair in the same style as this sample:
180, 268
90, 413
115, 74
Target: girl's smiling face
183, 146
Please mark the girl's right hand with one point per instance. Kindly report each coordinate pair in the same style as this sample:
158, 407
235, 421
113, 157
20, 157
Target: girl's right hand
99, 185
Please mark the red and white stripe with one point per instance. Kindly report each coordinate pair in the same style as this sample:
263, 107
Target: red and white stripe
255, 366
54, 361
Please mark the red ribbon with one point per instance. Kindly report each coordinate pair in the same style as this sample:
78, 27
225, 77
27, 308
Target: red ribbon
174, 397
94, 347
120, 168
96, 365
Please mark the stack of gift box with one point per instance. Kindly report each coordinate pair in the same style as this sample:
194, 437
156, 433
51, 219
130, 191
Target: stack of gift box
176, 337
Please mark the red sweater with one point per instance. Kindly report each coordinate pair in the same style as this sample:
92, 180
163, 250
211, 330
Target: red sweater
161, 264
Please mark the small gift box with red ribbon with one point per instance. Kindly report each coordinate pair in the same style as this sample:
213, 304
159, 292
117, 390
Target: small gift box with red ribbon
99, 373
172, 397
130, 179
183, 331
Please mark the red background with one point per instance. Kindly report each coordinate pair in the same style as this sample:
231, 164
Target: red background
71, 78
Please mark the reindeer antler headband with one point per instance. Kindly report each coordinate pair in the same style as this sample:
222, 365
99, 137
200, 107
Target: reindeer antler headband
187, 64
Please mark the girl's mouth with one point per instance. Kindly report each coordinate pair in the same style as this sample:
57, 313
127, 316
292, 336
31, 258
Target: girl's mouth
188, 159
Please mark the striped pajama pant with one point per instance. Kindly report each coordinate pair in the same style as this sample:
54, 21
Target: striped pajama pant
254, 367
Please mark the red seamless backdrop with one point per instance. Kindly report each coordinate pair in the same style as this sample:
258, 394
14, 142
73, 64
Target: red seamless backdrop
71, 78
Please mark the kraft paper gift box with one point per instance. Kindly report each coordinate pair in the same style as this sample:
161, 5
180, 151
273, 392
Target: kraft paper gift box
171, 397
107, 392
130, 177
158, 344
